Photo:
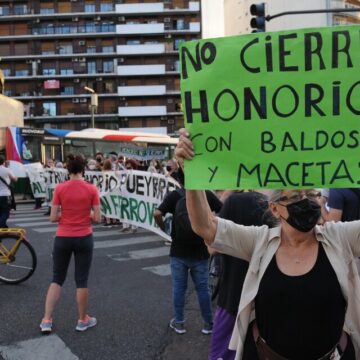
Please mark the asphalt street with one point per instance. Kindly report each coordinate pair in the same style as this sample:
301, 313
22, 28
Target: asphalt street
130, 294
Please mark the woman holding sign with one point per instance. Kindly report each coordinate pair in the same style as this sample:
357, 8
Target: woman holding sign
75, 205
301, 295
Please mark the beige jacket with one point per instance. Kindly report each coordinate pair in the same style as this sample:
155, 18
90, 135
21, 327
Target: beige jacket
341, 242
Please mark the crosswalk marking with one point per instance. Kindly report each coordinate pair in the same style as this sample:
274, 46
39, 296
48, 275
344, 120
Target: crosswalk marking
15, 219
96, 233
33, 223
141, 254
39, 223
46, 229
42, 223
38, 348
161, 270
115, 243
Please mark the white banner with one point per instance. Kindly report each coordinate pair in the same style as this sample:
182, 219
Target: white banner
130, 196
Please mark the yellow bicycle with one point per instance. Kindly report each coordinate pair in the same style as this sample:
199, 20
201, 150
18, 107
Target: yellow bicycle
17, 256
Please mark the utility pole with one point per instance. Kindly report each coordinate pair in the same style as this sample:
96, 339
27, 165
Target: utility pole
93, 104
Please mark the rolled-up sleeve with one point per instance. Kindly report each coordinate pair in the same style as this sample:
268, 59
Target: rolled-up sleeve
350, 231
236, 240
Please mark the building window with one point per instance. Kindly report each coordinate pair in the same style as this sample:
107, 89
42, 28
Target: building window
107, 49
106, 7
89, 8
20, 9
132, 42
7, 72
44, 29
64, 29
91, 49
50, 71
47, 11
49, 108
108, 66
21, 72
177, 43
65, 49
67, 90
4, 10
66, 72
180, 24
91, 67
90, 27
107, 27
109, 87
177, 65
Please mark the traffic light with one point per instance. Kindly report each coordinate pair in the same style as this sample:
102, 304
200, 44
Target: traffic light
258, 21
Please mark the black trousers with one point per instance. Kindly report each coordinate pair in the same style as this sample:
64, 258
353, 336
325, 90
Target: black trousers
64, 247
4, 210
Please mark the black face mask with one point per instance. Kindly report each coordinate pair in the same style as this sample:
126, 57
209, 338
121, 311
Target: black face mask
303, 214
168, 168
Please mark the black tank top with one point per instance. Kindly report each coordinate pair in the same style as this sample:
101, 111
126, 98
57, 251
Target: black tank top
301, 317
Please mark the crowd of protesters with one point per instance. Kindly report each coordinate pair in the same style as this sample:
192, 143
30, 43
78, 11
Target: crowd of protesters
113, 162
282, 255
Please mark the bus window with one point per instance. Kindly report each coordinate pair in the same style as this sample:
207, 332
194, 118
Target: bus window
111, 146
83, 147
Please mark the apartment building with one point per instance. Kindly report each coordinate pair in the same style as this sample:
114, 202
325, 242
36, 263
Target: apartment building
235, 15
125, 50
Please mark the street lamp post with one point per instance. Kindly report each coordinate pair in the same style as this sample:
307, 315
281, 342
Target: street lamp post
93, 104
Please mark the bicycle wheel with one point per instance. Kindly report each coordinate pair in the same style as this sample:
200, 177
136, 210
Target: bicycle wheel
19, 266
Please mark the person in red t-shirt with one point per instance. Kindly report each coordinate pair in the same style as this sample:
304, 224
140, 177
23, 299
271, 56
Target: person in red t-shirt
75, 205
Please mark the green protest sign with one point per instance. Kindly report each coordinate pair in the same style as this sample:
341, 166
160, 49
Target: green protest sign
273, 110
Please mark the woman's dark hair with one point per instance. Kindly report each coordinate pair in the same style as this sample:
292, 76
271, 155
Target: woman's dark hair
107, 165
75, 164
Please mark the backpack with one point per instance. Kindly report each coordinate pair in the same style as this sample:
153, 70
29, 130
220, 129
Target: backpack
183, 229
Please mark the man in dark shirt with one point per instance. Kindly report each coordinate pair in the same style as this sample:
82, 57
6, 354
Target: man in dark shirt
246, 209
344, 205
187, 254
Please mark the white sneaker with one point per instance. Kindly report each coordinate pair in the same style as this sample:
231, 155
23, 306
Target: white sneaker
83, 325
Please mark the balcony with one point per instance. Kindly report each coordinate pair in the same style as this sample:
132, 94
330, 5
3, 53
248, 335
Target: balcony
141, 8
71, 118
142, 90
140, 49
140, 29
154, 8
73, 29
59, 56
75, 76
182, 27
126, 70
137, 111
